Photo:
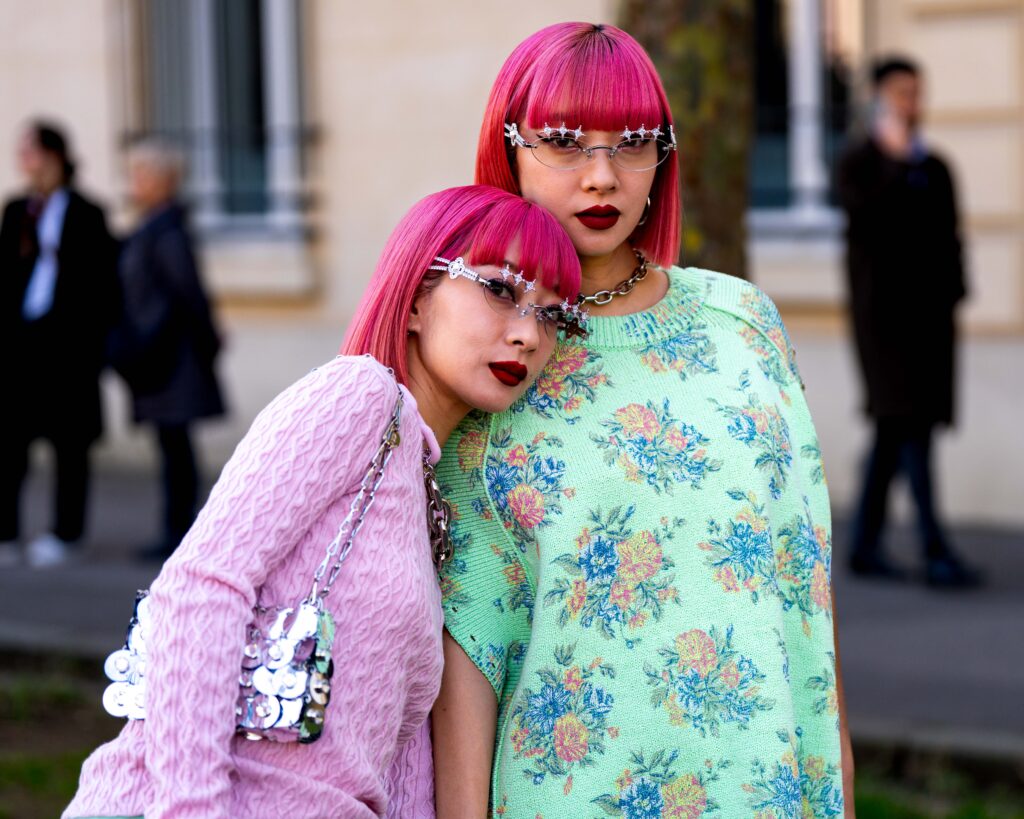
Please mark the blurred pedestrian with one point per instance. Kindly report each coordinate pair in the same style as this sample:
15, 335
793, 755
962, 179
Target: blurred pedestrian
905, 272
167, 342
58, 301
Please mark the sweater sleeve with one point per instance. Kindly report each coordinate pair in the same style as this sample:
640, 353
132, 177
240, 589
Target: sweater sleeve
303, 452
410, 779
486, 589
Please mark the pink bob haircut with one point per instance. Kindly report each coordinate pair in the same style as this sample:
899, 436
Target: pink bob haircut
479, 223
596, 77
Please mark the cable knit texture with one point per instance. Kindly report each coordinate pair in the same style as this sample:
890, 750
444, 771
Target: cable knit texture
260, 537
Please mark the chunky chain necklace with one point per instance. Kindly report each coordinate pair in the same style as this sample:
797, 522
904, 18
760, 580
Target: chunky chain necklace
623, 288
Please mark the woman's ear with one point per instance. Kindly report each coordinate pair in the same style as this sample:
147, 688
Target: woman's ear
415, 323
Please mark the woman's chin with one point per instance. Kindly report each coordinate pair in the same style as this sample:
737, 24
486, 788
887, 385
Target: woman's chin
497, 400
597, 243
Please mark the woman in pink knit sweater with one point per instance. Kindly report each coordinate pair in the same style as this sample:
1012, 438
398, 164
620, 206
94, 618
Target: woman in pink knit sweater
427, 315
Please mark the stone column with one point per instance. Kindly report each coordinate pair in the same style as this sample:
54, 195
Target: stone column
808, 177
281, 93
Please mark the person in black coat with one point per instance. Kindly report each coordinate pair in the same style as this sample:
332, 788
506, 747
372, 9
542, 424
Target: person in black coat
905, 274
58, 301
167, 342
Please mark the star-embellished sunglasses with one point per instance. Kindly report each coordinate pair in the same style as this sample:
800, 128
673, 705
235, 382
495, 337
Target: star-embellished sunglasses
506, 293
561, 148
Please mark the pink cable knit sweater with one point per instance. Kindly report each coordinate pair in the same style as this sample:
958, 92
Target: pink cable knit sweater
261, 535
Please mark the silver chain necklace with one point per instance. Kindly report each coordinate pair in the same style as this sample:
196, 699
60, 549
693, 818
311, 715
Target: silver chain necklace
623, 288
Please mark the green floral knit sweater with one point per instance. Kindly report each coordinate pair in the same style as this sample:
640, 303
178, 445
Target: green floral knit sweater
642, 571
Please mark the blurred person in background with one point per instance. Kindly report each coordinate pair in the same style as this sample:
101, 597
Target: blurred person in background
167, 342
58, 301
905, 271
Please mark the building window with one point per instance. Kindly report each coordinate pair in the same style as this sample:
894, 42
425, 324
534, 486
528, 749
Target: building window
221, 79
802, 110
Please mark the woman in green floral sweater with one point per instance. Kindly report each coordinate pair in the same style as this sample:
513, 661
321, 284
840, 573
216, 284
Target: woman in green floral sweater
639, 614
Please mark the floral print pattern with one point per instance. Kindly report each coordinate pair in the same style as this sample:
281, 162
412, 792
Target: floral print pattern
570, 378
563, 723
495, 660
525, 484
472, 446
654, 448
767, 338
703, 681
655, 789
741, 552
618, 578
798, 786
824, 684
804, 560
763, 429
688, 354
795, 565
812, 452
606, 635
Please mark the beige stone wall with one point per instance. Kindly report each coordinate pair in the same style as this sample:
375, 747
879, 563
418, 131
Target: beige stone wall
399, 89
972, 52
58, 61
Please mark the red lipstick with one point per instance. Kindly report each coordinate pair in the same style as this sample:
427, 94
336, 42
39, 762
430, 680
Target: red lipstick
509, 373
599, 217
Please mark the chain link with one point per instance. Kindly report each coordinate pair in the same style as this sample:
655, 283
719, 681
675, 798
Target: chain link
623, 289
361, 504
438, 514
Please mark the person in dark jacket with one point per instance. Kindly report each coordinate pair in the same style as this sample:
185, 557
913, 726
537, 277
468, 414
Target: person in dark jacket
905, 272
58, 301
167, 342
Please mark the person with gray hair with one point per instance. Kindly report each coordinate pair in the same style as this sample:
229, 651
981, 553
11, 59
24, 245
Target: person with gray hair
167, 341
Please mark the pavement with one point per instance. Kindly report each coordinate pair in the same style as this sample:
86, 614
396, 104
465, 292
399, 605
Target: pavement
938, 671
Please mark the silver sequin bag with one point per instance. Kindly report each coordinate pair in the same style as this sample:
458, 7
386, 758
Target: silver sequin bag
286, 667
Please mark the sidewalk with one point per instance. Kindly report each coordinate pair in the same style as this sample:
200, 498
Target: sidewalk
942, 671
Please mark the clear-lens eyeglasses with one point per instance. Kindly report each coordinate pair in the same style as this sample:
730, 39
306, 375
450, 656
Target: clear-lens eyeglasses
560, 148
500, 294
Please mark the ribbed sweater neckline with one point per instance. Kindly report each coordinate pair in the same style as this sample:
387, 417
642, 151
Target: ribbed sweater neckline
670, 317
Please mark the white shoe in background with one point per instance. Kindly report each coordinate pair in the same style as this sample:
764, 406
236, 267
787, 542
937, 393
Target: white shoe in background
10, 554
49, 550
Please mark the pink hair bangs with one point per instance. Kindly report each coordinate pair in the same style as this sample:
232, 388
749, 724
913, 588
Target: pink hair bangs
595, 77
477, 222
597, 82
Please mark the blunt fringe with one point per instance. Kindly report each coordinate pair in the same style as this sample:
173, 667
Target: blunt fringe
479, 223
593, 76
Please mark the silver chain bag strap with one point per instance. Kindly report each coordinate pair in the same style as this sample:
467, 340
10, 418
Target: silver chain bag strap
286, 668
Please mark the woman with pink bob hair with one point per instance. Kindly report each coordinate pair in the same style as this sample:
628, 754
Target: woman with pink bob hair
461, 313
638, 618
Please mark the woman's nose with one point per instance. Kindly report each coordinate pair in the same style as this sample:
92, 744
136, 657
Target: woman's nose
524, 330
599, 172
